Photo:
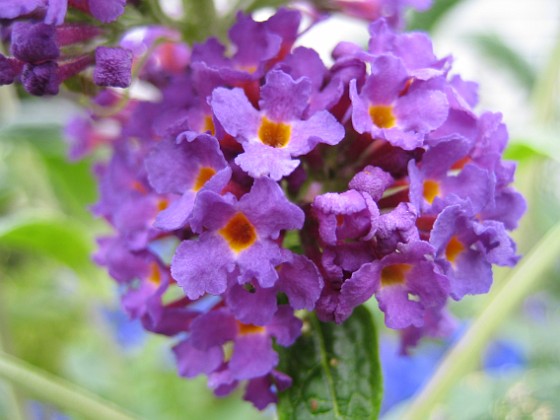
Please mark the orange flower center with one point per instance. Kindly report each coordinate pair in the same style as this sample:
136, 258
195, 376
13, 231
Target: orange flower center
162, 204
274, 134
154, 276
431, 190
394, 274
245, 329
382, 116
453, 249
209, 125
204, 174
239, 232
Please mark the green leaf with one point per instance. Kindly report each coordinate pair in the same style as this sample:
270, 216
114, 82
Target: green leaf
45, 137
427, 21
73, 184
53, 236
335, 371
496, 49
521, 151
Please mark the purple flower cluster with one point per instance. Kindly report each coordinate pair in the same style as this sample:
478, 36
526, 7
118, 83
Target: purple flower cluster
263, 182
43, 47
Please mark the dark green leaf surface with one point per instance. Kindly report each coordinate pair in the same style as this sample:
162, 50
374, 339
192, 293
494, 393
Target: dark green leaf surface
335, 371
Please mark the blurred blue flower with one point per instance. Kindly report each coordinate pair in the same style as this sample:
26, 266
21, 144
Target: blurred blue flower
39, 411
404, 376
503, 355
128, 333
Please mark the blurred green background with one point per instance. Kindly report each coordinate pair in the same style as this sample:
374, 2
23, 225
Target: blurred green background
60, 313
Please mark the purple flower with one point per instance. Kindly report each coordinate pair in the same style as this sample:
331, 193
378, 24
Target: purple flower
405, 284
41, 79
393, 107
396, 227
414, 49
104, 10
14, 8
10, 68
113, 67
186, 167
375, 9
466, 249
298, 278
272, 136
338, 263
253, 355
237, 239
348, 215
34, 42
437, 183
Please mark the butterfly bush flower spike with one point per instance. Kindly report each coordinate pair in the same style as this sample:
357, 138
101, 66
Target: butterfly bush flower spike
256, 184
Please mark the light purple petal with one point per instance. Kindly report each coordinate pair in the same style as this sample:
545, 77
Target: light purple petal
255, 307
358, 289
300, 279
12, 9
500, 248
253, 356
361, 121
260, 393
106, 10
192, 362
212, 329
386, 81
421, 110
175, 216
269, 210
284, 99
235, 113
400, 312
471, 275
322, 127
201, 266
305, 62
173, 167
56, 11
371, 180
211, 211
260, 160
259, 262
285, 326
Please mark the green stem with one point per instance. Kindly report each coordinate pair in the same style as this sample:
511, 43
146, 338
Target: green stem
15, 400
57, 391
201, 18
465, 354
159, 15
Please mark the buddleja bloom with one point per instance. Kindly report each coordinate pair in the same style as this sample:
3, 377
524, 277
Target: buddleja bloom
54, 11
261, 182
38, 39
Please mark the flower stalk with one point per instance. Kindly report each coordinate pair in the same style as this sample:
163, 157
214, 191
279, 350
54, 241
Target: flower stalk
57, 391
465, 354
